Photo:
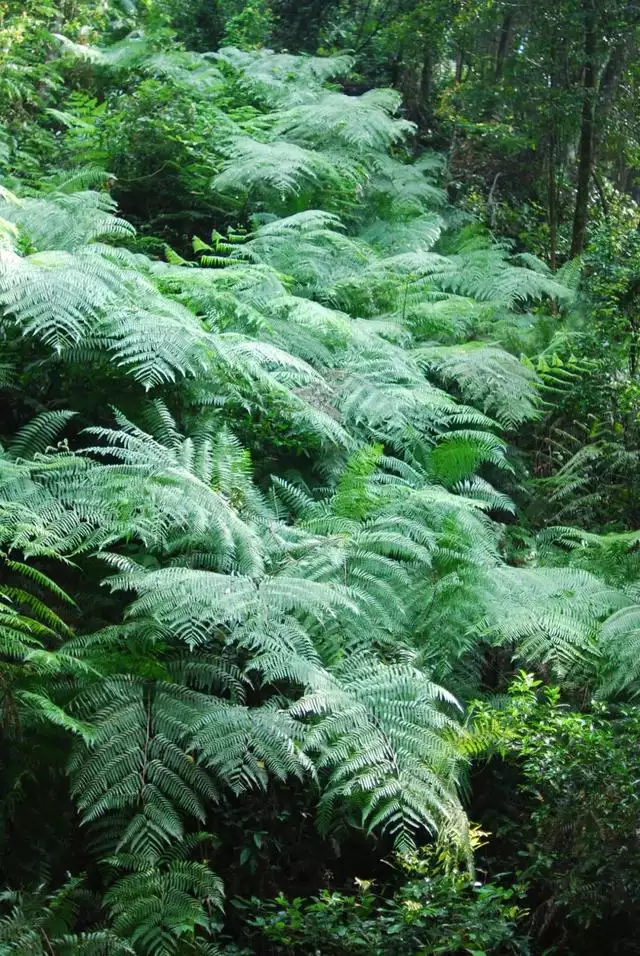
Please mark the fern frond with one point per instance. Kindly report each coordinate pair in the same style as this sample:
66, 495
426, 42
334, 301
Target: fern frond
34, 437
384, 744
547, 614
137, 761
619, 643
276, 172
363, 124
487, 377
281, 78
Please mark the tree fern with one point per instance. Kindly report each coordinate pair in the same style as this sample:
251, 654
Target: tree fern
618, 641
381, 742
303, 630
162, 906
277, 173
548, 614
39, 923
364, 124
486, 272
281, 78
487, 377
137, 763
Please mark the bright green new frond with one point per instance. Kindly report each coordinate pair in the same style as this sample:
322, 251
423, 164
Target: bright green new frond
460, 453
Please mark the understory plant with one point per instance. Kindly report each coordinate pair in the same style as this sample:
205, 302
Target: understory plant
264, 510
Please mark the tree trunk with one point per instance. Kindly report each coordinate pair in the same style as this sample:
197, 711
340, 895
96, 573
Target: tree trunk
611, 76
395, 69
503, 43
601, 194
426, 78
552, 203
587, 132
552, 157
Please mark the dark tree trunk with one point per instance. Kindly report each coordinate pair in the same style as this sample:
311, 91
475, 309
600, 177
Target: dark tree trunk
552, 203
395, 69
587, 132
426, 78
553, 158
503, 43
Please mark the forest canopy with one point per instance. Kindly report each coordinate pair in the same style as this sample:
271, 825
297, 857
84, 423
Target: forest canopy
319, 500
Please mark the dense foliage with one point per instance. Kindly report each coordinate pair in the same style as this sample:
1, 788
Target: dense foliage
318, 479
